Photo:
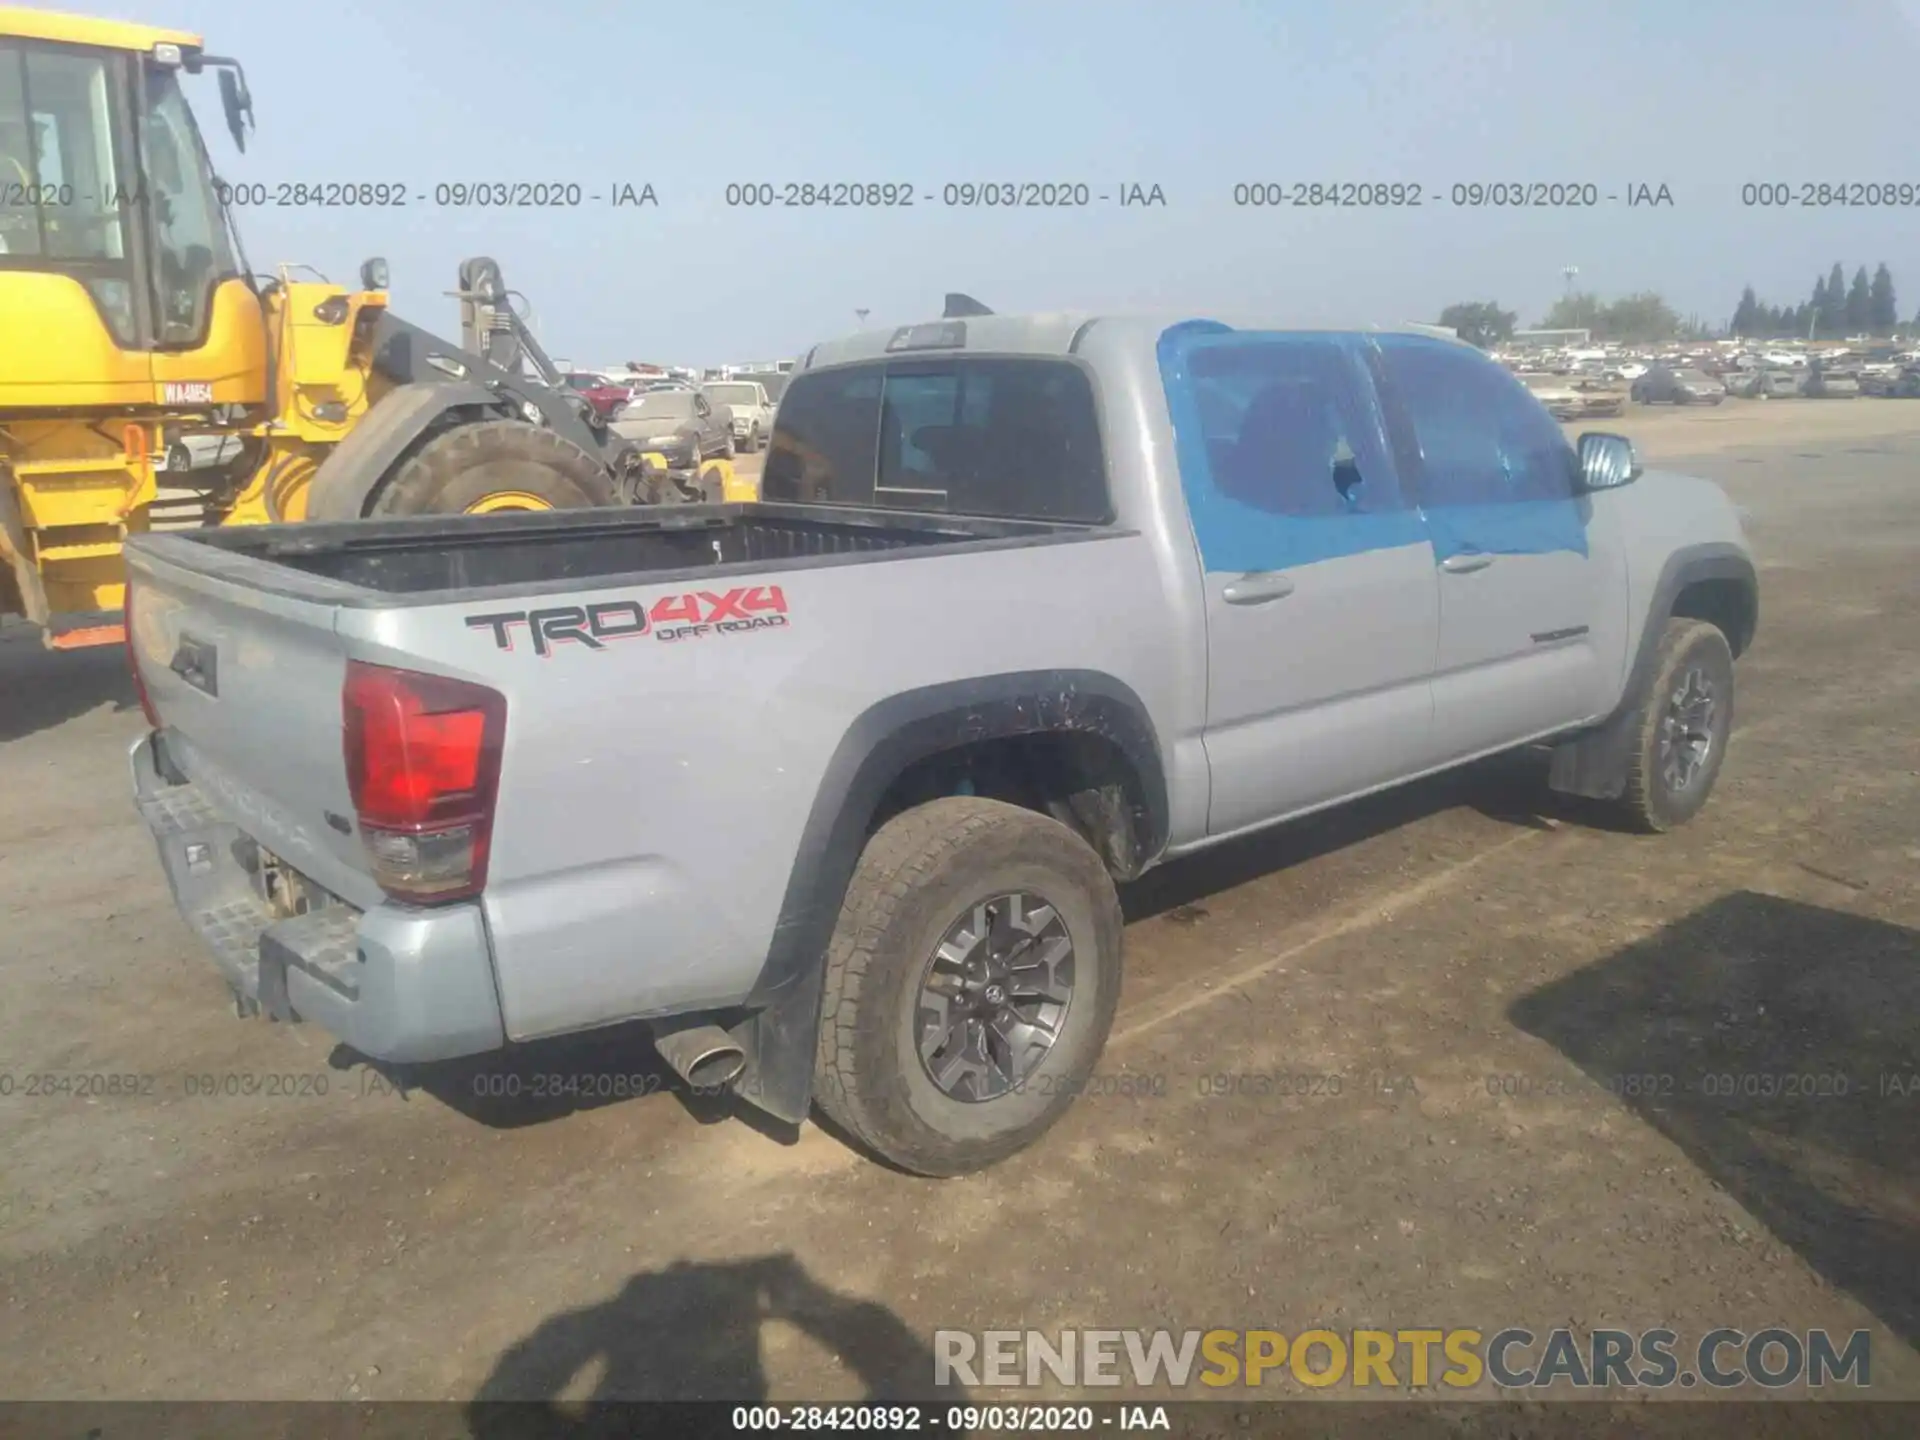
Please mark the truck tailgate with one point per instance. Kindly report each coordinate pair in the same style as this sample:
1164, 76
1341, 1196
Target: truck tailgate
247, 685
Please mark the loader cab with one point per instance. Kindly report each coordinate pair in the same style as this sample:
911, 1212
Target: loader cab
112, 236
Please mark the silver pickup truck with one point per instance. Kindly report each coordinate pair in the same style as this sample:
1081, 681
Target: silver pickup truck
834, 788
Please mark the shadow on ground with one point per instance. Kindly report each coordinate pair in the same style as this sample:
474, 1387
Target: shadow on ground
1510, 788
41, 688
544, 1080
1778, 1044
696, 1332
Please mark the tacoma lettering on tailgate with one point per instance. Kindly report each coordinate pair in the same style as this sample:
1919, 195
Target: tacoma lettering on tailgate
670, 619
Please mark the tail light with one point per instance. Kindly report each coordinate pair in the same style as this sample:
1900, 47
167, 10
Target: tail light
423, 765
133, 662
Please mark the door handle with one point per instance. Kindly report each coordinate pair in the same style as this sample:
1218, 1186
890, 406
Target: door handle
1465, 564
1257, 587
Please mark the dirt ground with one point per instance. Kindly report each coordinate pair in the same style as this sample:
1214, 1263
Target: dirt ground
1475, 962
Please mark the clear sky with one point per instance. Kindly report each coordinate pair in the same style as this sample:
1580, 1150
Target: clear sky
1192, 95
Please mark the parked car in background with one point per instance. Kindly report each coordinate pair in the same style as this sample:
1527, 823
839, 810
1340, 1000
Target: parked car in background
1820, 383
774, 382
681, 425
1663, 385
1902, 383
602, 392
1557, 393
1600, 398
1779, 384
1629, 369
198, 452
752, 411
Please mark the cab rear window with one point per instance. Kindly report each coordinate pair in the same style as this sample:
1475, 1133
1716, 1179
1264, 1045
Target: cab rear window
1003, 438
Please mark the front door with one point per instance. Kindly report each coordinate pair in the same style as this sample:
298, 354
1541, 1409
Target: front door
1321, 608
1518, 568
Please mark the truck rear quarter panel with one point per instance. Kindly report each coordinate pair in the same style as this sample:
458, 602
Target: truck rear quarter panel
654, 790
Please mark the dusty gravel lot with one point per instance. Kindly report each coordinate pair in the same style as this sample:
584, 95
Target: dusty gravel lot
428, 1241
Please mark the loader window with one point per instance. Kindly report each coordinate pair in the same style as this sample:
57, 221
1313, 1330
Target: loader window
191, 252
61, 173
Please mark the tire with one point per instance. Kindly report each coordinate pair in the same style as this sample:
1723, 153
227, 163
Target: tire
1691, 651
922, 877
726, 449
461, 468
753, 441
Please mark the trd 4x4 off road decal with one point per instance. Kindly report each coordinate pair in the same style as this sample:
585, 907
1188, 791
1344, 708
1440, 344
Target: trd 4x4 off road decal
670, 619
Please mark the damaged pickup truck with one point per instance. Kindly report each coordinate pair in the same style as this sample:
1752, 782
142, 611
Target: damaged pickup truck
834, 788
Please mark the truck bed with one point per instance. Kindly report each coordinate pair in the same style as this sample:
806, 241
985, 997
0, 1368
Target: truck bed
433, 556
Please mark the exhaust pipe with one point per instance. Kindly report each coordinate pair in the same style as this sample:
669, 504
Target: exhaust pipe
705, 1056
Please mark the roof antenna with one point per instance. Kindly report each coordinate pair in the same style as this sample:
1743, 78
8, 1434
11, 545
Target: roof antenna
960, 306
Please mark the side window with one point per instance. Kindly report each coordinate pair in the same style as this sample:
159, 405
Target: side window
1287, 428
822, 450
1482, 438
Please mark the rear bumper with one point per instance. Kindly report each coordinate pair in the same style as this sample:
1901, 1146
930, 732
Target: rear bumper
395, 983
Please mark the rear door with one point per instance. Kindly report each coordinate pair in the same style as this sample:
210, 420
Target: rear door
1521, 570
1321, 610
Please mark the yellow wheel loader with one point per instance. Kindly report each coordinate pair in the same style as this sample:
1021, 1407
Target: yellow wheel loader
130, 321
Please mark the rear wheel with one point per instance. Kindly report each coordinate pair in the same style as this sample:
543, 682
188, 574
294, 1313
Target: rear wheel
494, 465
971, 983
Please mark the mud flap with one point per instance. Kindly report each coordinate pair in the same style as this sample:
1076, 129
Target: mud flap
1594, 765
781, 1042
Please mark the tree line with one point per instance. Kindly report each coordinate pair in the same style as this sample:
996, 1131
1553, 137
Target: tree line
1867, 306
1639, 318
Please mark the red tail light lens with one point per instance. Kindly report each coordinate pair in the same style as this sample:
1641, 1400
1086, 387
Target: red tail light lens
133, 662
423, 765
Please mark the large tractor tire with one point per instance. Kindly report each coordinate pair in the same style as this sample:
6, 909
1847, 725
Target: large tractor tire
494, 465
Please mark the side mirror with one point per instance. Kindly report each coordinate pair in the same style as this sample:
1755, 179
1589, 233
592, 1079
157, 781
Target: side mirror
237, 102
1607, 462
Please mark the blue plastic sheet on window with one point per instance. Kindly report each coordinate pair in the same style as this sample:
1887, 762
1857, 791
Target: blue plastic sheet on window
1235, 537
1498, 472
1521, 527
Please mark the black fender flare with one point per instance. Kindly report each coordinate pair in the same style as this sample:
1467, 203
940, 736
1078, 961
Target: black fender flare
346, 479
876, 750
1594, 764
